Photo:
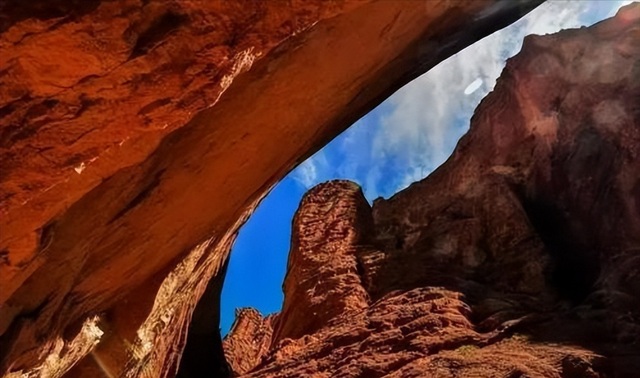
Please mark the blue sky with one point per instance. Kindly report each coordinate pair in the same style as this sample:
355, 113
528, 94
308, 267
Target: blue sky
400, 142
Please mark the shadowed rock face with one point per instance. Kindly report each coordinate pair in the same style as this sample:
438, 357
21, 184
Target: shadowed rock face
516, 258
136, 135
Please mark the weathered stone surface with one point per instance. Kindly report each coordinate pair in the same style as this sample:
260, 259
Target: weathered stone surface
134, 131
248, 340
123, 76
424, 332
516, 258
331, 227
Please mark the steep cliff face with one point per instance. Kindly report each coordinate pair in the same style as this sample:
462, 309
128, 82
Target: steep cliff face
322, 282
516, 258
135, 135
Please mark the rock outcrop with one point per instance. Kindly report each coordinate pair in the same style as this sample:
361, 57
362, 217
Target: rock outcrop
248, 340
329, 230
136, 135
516, 258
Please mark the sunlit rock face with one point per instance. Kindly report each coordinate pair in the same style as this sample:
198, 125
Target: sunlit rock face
332, 226
136, 136
516, 258
248, 341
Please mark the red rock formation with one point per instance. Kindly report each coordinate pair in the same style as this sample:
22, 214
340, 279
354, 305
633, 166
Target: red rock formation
133, 131
248, 340
516, 258
331, 227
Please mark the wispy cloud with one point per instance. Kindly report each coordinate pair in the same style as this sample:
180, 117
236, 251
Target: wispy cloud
313, 170
307, 173
416, 129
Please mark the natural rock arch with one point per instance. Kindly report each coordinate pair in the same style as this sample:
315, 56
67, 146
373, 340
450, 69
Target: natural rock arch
128, 168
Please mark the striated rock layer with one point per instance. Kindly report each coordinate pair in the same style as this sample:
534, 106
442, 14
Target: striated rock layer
516, 258
136, 135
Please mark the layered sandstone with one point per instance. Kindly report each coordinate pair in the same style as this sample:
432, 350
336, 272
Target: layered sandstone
136, 135
516, 258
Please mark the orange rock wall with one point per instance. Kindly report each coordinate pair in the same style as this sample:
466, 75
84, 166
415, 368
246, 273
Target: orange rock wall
136, 134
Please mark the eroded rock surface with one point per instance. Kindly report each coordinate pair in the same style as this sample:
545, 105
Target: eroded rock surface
516, 258
136, 134
331, 227
248, 341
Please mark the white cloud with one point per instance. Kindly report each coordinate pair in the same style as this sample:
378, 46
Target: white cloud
416, 129
431, 113
306, 173
312, 171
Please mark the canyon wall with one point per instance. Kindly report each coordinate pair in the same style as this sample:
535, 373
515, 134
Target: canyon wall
518, 257
135, 136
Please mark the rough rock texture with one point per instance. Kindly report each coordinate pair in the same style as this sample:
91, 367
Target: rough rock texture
145, 338
136, 134
331, 227
248, 340
516, 258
